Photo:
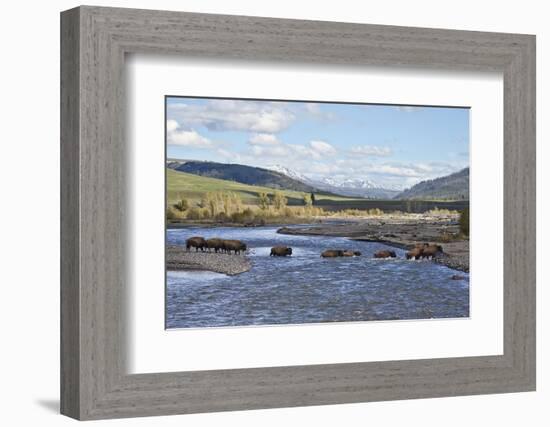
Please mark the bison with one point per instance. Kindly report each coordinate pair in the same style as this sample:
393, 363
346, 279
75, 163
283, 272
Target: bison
332, 253
280, 251
431, 251
415, 253
351, 253
385, 254
214, 243
234, 245
424, 250
195, 242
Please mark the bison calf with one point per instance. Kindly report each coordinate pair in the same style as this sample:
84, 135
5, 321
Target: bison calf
281, 251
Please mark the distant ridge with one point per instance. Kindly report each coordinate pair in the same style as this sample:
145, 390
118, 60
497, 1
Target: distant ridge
455, 186
241, 173
354, 187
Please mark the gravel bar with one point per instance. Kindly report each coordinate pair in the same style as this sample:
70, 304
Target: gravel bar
178, 258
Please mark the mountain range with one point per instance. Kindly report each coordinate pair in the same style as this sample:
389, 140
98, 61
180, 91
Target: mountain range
455, 186
451, 187
351, 187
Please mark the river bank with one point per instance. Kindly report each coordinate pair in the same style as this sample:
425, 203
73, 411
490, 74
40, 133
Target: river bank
400, 232
178, 258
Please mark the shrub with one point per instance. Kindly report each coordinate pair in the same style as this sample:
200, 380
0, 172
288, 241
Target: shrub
288, 212
182, 205
170, 214
244, 217
279, 201
438, 211
237, 217
263, 201
464, 221
222, 217
193, 213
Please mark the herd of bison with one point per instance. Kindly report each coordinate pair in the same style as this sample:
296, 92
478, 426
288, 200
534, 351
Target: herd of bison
420, 251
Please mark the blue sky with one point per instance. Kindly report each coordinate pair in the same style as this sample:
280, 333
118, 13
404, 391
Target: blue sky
391, 145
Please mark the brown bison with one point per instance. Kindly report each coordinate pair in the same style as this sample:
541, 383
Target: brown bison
424, 250
351, 253
280, 251
234, 245
332, 253
195, 242
385, 254
415, 253
431, 251
214, 243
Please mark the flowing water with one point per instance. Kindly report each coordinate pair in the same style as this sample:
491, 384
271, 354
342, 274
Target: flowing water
306, 288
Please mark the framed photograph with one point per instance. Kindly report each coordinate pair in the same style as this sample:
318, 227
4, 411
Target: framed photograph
262, 213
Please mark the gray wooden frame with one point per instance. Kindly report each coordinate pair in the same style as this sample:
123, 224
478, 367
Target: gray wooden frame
94, 41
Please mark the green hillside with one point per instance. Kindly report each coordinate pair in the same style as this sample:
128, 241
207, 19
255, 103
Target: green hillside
451, 187
193, 187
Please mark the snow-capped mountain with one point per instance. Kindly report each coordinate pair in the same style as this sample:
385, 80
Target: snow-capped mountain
354, 187
290, 173
350, 183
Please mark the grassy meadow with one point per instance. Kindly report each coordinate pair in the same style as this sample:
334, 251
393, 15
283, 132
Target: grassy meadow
193, 188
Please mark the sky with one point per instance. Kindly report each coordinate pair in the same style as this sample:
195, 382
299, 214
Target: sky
392, 146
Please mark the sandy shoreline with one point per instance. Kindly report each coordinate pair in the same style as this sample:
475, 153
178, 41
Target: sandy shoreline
177, 259
402, 233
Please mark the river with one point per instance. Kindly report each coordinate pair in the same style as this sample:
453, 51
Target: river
306, 288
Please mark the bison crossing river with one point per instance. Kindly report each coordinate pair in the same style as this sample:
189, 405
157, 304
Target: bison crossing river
269, 285
219, 245
420, 250
280, 251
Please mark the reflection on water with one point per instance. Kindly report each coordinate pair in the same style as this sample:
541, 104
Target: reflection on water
306, 288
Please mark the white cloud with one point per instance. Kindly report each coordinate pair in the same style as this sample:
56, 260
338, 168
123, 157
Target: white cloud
234, 115
171, 125
321, 148
267, 145
280, 150
188, 138
401, 171
314, 109
263, 139
371, 150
